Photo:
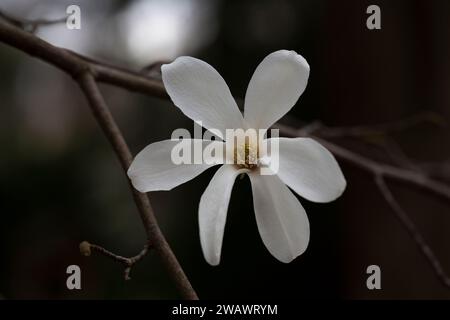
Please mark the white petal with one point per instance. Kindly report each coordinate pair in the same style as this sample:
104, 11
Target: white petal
201, 93
309, 169
282, 221
153, 169
213, 212
275, 87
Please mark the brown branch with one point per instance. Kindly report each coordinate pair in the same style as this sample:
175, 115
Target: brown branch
411, 177
379, 134
85, 72
86, 249
154, 234
415, 234
440, 170
397, 154
120, 77
28, 24
381, 129
75, 64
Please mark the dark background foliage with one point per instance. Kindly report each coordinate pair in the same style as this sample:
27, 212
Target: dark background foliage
61, 184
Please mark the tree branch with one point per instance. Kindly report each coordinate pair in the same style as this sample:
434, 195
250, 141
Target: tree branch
415, 234
411, 177
154, 234
75, 64
381, 129
30, 25
397, 154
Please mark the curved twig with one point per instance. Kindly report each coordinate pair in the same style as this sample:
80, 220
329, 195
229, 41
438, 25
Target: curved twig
383, 128
415, 234
86, 249
414, 178
30, 25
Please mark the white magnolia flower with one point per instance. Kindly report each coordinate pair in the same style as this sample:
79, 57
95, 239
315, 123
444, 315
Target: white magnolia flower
305, 166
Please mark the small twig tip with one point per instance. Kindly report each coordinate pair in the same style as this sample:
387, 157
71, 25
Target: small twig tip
85, 248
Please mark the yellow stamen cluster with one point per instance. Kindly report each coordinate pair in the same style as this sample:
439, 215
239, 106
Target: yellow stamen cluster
246, 156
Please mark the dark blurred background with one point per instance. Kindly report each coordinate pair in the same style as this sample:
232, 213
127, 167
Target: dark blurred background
61, 183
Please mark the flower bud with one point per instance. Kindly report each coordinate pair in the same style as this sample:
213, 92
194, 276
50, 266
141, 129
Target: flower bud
85, 248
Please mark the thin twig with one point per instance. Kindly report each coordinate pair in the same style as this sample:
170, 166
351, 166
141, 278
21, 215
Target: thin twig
310, 128
384, 128
439, 170
29, 24
154, 69
415, 234
86, 249
74, 64
397, 154
413, 178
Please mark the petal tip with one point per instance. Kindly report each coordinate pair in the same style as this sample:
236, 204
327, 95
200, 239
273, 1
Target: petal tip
213, 260
213, 263
295, 56
166, 67
290, 258
342, 185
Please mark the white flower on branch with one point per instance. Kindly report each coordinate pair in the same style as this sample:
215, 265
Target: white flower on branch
303, 164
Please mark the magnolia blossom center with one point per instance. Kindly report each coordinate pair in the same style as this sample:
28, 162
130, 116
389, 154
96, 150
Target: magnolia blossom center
246, 155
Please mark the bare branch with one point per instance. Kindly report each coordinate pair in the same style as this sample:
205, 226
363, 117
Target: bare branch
30, 25
154, 234
415, 234
439, 170
310, 128
75, 64
86, 249
414, 178
397, 154
154, 69
384, 128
